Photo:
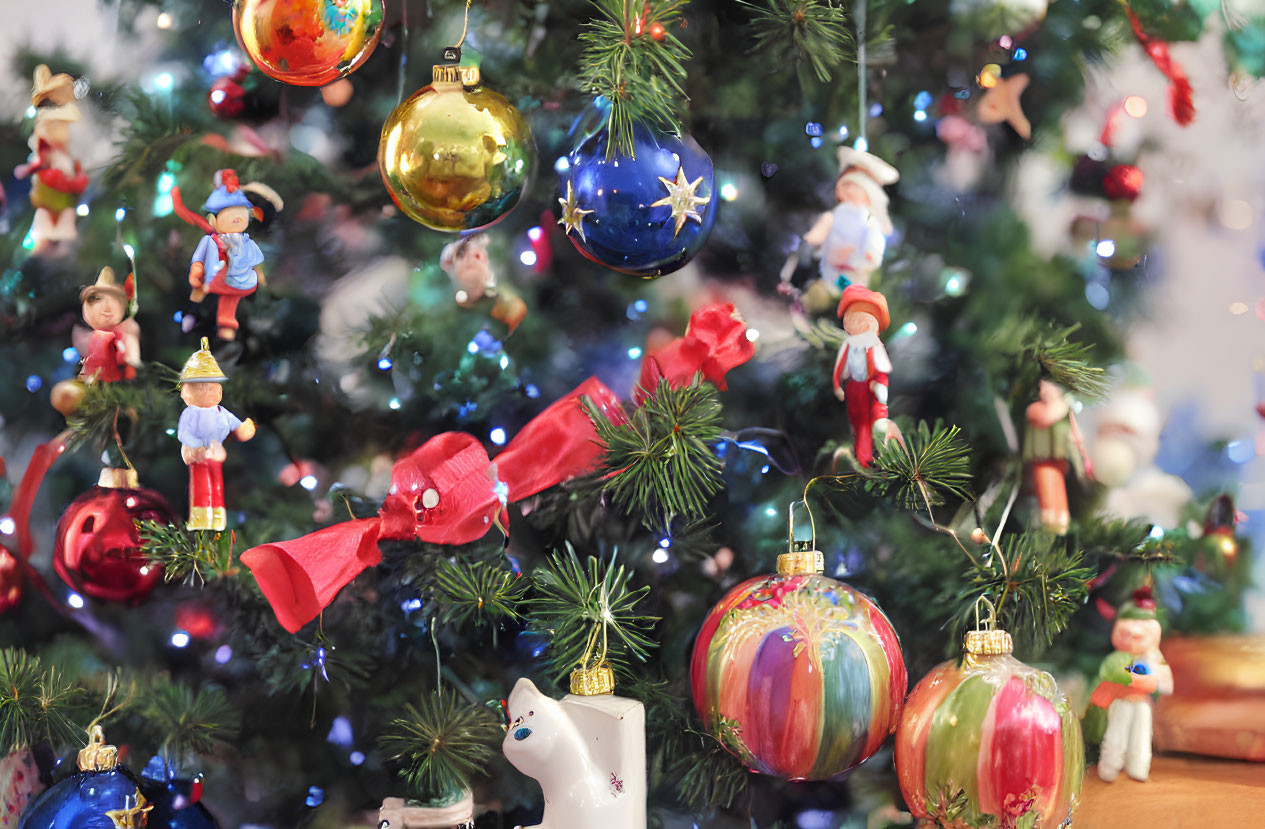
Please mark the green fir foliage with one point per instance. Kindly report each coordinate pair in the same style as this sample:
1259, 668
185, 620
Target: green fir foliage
190, 721
928, 466
662, 459
810, 34
442, 743
194, 557
711, 777
642, 77
479, 593
37, 704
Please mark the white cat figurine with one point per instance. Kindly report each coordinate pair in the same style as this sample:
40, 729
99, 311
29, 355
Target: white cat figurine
587, 753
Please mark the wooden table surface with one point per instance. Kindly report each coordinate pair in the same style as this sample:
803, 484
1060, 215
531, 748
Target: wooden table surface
1184, 792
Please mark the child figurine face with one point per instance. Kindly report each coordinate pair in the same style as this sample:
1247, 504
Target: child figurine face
231, 220
102, 309
849, 192
1136, 635
860, 320
471, 272
203, 395
1049, 392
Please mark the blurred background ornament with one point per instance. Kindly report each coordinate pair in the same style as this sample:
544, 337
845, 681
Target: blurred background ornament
1124, 452
97, 549
12, 580
177, 801
57, 177
646, 215
456, 156
19, 782
308, 42
991, 19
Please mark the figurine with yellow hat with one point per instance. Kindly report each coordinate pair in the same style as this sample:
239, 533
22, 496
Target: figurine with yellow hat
112, 351
1129, 677
852, 236
57, 179
204, 426
862, 369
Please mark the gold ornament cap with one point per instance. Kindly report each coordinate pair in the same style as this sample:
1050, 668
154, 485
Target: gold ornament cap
452, 73
118, 479
801, 563
201, 367
592, 682
989, 642
97, 756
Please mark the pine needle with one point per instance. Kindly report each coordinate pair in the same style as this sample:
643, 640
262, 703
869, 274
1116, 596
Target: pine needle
443, 743
791, 33
930, 464
711, 777
191, 557
662, 460
36, 704
191, 722
573, 599
643, 78
478, 592
147, 400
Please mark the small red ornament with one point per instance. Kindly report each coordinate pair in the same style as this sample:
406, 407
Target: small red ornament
1123, 181
98, 548
657, 32
11, 580
227, 97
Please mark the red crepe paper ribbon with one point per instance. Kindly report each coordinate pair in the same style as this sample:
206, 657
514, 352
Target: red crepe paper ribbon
1180, 95
24, 499
448, 491
715, 342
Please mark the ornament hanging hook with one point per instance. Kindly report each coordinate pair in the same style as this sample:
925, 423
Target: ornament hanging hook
800, 545
465, 26
990, 623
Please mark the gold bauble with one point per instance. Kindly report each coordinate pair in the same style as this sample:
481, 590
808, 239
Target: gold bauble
308, 42
67, 395
454, 158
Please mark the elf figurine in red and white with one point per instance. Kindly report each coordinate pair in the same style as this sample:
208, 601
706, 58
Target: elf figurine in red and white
226, 262
1129, 677
57, 178
862, 369
112, 351
204, 426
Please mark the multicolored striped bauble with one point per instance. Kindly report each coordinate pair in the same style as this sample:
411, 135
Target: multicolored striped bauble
990, 742
799, 675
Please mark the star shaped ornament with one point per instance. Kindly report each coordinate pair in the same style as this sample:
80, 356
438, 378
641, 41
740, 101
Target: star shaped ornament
572, 214
1001, 103
681, 199
130, 818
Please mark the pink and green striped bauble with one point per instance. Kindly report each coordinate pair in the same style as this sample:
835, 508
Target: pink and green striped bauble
989, 743
801, 676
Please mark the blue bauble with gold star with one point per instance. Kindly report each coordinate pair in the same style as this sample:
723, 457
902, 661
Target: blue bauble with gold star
645, 215
102, 795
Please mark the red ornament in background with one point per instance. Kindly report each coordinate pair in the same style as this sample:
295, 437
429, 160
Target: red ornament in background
227, 97
657, 32
1123, 181
11, 580
98, 548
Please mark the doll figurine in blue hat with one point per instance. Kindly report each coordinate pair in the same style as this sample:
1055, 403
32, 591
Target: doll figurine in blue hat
227, 262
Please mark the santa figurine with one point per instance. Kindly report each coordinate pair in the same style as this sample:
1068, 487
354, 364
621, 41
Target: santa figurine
226, 262
1048, 445
204, 426
466, 263
111, 351
852, 236
1128, 679
862, 369
57, 178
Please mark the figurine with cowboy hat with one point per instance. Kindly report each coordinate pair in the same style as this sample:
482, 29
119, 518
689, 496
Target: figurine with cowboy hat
204, 426
1129, 677
57, 179
852, 235
862, 369
112, 351
226, 261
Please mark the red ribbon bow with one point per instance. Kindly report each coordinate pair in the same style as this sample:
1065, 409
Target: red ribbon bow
715, 342
448, 491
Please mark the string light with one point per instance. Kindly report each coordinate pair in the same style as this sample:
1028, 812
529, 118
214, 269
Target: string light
75, 601
1135, 105
634, 353
728, 191
497, 436
180, 639
223, 654
7, 525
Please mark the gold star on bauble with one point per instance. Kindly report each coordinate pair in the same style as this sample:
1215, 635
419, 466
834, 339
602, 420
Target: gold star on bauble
681, 199
130, 818
572, 214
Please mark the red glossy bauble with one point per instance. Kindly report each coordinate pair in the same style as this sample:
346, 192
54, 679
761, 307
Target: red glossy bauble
227, 98
1123, 181
98, 548
12, 580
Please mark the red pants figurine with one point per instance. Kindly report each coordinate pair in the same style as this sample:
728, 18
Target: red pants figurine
226, 311
206, 496
863, 411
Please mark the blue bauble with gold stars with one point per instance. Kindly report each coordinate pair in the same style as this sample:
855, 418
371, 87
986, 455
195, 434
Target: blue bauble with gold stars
645, 215
102, 795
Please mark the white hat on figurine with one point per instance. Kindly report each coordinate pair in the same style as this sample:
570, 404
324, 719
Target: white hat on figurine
850, 158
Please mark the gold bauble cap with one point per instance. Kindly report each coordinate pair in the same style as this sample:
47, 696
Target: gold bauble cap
592, 682
989, 642
201, 367
113, 478
97, 756
801, 563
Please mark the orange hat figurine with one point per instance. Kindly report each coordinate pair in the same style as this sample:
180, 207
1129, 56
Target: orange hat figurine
862, 369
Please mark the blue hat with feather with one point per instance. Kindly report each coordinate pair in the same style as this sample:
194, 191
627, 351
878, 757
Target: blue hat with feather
227, 193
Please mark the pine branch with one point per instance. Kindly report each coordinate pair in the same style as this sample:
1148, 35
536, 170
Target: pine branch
711, 777
1036, 588
795, 32
1037, 348
443, 743
574, 601
661, 460
36, 703
188, 556
191, 722
151, 134
929, 465
147, 401
641, 76
478, 592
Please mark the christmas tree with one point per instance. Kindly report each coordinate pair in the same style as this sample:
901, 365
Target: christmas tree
540, 363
